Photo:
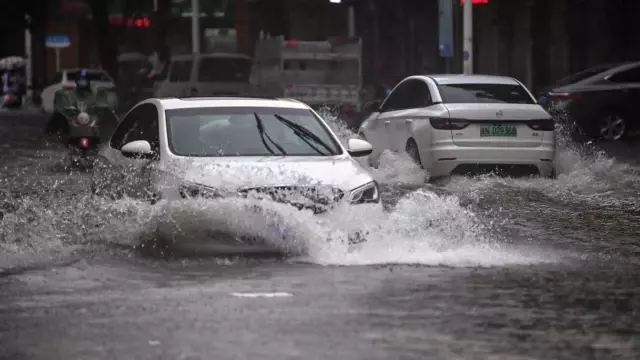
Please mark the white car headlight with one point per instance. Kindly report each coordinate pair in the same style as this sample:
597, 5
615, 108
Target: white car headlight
83, 118
366, 194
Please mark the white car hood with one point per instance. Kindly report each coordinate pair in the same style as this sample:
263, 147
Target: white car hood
230, 174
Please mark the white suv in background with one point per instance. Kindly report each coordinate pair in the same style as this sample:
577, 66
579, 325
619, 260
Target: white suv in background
216, 74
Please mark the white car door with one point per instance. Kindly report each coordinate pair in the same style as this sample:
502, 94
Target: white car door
415, 96
49, 92
374, 131
391, 112
124, 175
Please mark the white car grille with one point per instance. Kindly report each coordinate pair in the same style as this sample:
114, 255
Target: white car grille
319, 199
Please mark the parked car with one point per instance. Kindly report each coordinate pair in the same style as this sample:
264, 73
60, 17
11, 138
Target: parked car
217, 74
65, 79
459, 124
256, 149
601, 102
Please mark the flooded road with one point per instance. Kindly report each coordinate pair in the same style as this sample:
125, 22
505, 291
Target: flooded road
482, 268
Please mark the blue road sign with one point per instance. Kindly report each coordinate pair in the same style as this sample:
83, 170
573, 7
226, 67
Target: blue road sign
445, 31
57, 41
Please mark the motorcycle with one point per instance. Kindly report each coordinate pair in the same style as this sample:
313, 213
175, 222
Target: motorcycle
11, 101
14, 67
83, 135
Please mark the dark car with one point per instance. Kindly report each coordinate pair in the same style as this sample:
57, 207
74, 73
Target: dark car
602, 102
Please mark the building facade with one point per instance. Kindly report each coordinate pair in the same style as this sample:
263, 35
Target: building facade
535, 41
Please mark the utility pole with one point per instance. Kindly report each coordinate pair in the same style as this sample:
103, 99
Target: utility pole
467, 35
351, 21
445, 32
195, 26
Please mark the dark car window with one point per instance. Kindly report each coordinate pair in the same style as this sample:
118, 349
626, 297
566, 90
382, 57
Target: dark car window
180, 71
224, 70
419, 95
399, 99
128, 68
126, 125
140, 124
484, 93
627, 76
235, 131
146, 127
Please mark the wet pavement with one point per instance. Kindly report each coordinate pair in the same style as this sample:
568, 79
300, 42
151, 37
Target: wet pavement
482, 268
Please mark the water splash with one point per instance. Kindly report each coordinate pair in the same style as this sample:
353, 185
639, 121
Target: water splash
585, 175
421, 228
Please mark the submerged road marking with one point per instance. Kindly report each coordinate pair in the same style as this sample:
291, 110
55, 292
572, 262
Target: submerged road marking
259, 294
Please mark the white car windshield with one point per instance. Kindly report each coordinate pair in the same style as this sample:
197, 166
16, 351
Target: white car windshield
484, 93
248, 131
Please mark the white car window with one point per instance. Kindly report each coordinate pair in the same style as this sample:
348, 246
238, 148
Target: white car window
224, 70
180, 71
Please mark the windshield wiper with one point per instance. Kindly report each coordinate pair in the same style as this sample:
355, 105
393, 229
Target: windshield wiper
263, 134
304, 134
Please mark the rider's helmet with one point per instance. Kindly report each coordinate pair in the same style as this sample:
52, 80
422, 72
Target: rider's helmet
82, 80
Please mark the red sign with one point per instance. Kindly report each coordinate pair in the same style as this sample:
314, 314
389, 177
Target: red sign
476, 2
141, 22
74, 5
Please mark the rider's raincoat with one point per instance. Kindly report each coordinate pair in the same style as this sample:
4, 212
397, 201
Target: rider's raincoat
69, 102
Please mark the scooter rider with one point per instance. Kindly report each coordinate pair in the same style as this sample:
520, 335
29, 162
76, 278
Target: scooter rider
66, 102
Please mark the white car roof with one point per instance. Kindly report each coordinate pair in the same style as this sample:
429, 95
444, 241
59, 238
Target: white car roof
190, 103
446, 79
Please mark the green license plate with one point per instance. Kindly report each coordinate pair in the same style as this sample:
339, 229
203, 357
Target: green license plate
506, 131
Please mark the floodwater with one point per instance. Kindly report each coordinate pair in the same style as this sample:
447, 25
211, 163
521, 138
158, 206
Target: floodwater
474, 268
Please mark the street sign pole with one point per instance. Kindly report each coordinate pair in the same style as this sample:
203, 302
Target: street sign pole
57, 50
195, 26
445, 31
467, 29
57, 42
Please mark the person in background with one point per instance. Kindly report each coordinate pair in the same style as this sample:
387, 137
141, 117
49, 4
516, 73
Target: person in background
66, 100
11, 82
143, 80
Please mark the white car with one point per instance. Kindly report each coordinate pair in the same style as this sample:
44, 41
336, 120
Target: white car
459, 124
217, 74
65, 79
276, 150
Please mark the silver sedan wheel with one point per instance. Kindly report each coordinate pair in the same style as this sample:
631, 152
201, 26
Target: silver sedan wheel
612, 127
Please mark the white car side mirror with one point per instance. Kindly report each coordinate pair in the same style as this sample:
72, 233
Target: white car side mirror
140, 149
359, 147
